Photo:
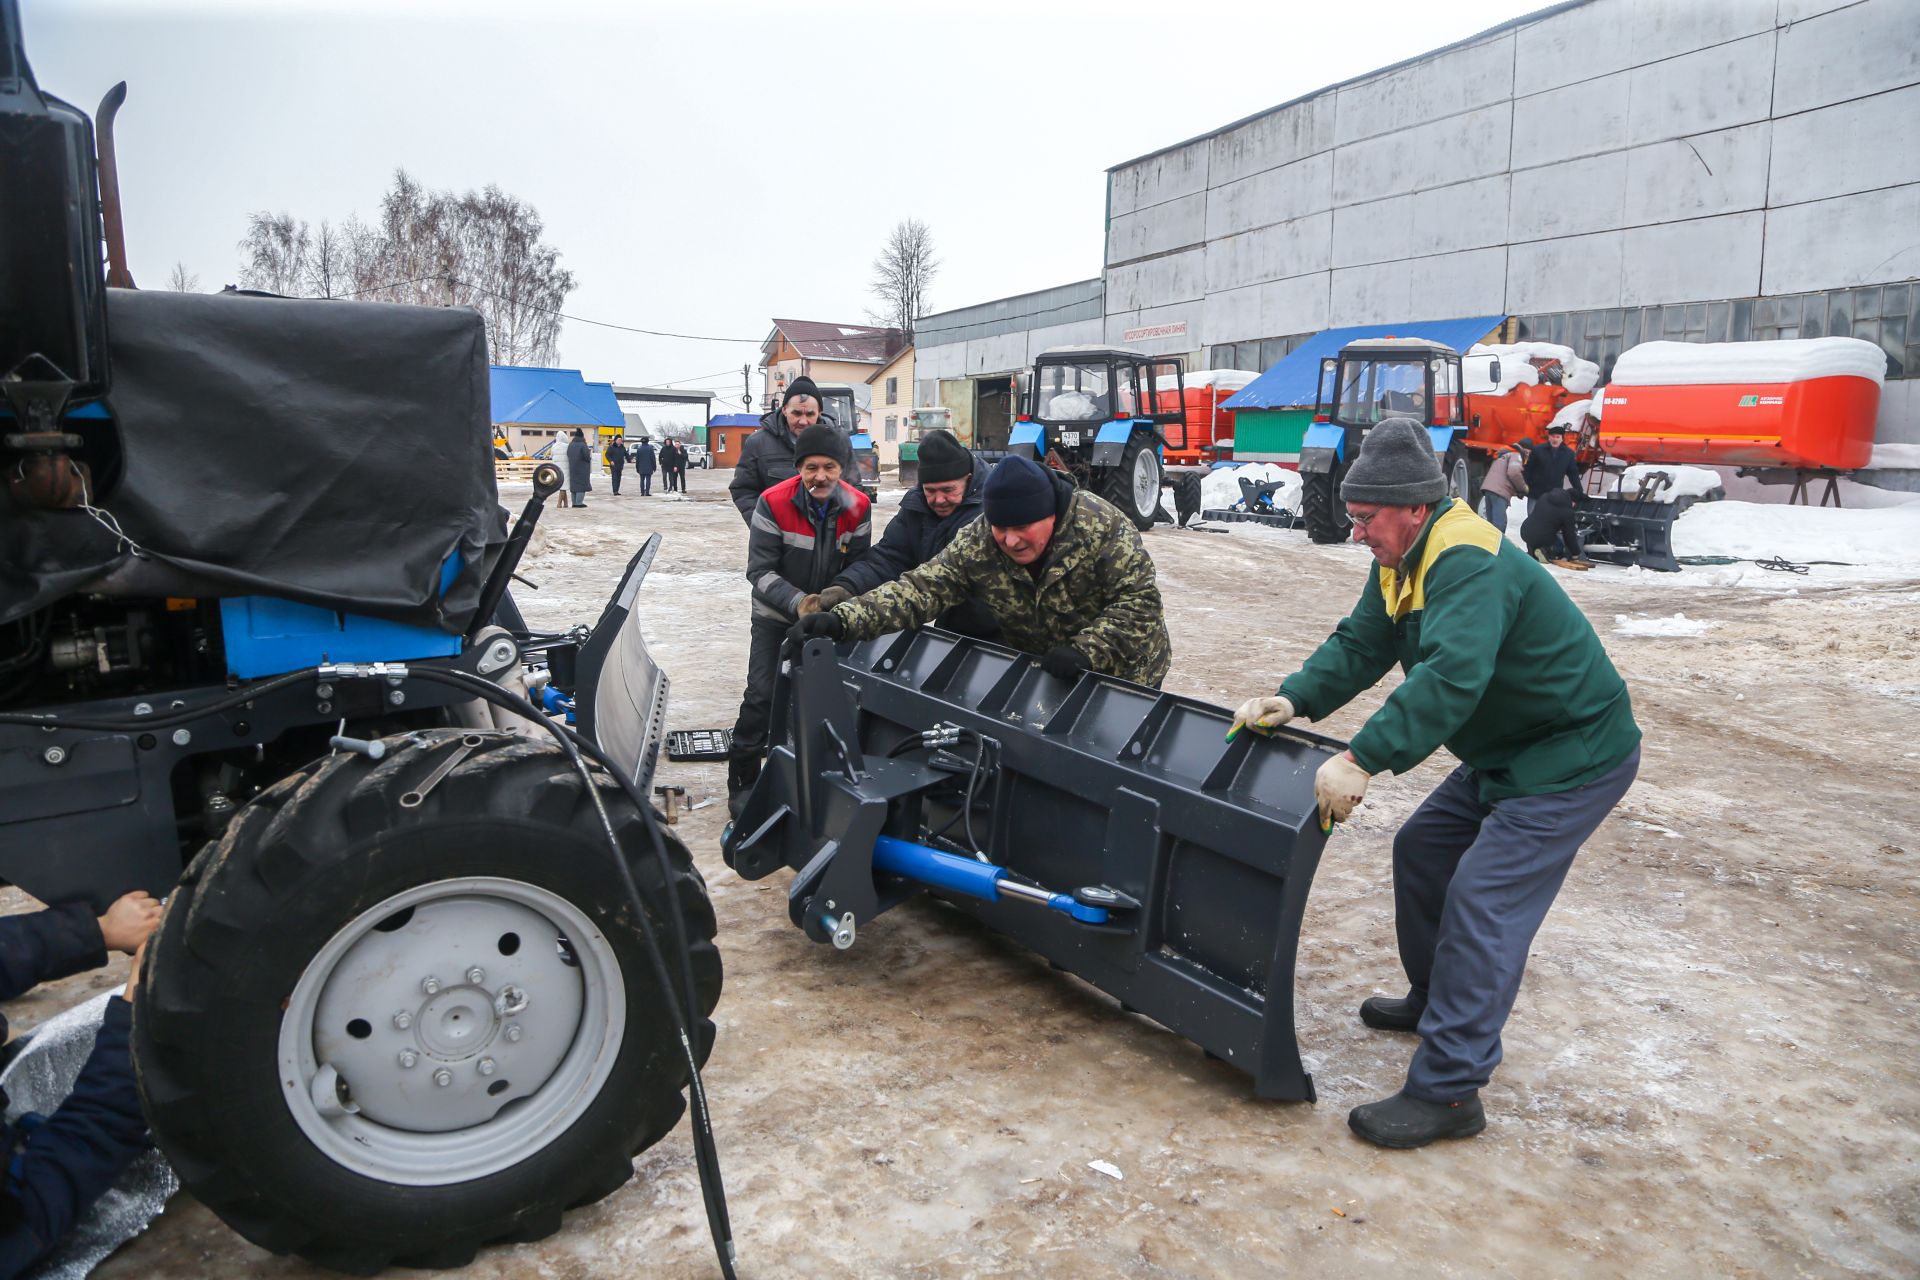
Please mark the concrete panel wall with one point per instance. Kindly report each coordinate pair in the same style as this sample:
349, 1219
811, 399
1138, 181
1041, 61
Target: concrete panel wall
1158, 179
1268, 310
1175, 278
1580, 120
1189, 313
1274, 195
1064, 335
1668, 28
1715, 88
1271, 253
1570, 199
1456, 81
1855, 146
1163, 227
1472, 145
1848, 53
1694, 177
948, 360
1705, 258
1581, 44
1573, 274
997, 354
1870, 238
1278, 138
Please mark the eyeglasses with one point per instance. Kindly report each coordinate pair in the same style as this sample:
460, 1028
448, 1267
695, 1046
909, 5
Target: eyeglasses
1366, 520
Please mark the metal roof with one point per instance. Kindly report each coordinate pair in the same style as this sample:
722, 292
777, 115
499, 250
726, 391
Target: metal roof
734, 420
1295, 382
551, 397
823, 340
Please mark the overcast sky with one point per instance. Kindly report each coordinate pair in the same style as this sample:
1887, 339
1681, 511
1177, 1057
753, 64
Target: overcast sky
702, 168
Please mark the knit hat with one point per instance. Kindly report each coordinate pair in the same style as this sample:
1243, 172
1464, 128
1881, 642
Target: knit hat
820, 440
1524, 443
1018, 492
801, 386
943, 458
1396, 467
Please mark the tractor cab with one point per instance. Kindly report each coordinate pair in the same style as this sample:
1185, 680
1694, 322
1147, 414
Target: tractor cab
1100, 414
1368, 382
838, 407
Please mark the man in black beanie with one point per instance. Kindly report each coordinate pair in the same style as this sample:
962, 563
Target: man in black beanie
767, 456
1063, 573
1505, 672
803, 531
948, 497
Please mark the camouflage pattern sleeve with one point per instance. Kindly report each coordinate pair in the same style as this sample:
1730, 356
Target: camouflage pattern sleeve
913, 599
1129, 638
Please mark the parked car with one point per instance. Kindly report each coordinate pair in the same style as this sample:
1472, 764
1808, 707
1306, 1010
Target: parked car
697, 455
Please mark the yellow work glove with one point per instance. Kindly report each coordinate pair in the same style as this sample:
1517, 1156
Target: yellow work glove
1338, 787
1262, 715
807, 605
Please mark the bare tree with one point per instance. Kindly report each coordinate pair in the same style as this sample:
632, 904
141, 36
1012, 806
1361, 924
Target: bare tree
482, 249
275, 253
902, 273
183, 280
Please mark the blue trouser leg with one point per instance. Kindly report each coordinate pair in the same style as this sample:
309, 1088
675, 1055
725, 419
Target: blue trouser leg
1468, 946
1496, 510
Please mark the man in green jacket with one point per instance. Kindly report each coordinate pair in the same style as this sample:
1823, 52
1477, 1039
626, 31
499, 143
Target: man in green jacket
1064, 574
1505, 672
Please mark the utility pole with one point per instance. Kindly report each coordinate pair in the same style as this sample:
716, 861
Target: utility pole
746, 386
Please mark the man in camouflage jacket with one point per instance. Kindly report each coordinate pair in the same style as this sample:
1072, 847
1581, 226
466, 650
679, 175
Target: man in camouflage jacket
1063, 572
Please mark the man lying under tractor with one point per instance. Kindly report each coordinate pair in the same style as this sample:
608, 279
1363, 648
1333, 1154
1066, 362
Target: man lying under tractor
58, 1165
1063, 572
1505, 672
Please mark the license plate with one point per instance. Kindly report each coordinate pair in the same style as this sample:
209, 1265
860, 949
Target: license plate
1069, 437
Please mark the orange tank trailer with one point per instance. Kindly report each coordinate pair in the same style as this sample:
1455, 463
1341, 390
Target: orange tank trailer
1205, 421
1802, 404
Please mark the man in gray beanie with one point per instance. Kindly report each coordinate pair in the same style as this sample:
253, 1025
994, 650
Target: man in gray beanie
1504, 671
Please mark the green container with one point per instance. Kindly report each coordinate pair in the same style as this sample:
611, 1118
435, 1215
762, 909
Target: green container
1270, 435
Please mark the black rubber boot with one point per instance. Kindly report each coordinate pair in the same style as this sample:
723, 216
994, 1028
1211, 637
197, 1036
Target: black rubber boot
1402, 1122
1386, 1013
742, 773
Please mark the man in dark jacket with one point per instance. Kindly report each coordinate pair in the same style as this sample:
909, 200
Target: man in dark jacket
804, 530
616, 462
947, 498
1063, 573
1505, 672
579, 468
766, 458
1552, 465
58, 1165
644, 464
669, 465
1550, 530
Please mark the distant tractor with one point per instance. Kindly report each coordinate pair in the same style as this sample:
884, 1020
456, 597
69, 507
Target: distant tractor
1374, 379
838, 406
1100, 414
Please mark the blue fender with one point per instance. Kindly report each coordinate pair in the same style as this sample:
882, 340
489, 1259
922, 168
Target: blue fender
1442, 438
1111, 441
1025, 440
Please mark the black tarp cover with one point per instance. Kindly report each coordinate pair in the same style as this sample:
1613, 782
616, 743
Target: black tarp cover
329, 452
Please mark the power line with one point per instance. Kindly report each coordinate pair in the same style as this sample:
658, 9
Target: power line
534, 306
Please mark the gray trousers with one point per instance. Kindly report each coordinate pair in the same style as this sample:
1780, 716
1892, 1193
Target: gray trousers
1471, 884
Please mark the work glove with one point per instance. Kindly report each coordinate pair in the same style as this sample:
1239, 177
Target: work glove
830, 625
807, 605
1064, 661
1338, 787
834, 595
1262, 715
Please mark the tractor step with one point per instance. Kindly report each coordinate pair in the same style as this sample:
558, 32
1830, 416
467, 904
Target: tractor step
1108, 827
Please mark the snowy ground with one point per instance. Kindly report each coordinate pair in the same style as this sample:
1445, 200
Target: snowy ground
1711, 1070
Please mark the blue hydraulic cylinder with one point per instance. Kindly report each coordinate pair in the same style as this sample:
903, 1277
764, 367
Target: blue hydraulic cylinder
971, 877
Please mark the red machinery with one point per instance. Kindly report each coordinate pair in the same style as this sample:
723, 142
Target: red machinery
1206, 422
1800, 404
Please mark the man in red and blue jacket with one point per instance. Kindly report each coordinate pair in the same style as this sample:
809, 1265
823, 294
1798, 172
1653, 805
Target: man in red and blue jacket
802, 533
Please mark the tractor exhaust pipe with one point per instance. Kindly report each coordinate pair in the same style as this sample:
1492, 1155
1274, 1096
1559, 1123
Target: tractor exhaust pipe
118, 277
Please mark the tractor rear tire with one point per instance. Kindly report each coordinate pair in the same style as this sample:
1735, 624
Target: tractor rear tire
345, 982
1134, 484
1464, 469
1186, 498
1320, 506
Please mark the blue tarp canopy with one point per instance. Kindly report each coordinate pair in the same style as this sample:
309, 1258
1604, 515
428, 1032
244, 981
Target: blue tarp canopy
1295, 381
552, 398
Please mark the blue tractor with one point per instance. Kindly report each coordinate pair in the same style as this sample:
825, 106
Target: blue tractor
430, 972
1101, 414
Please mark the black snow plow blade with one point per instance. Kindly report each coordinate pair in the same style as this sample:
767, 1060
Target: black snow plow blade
1636, 528
1106, 826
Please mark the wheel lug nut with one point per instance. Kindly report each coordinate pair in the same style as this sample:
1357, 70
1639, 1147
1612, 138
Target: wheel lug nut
486, 1066
430, 985
476, 975
443, 1077
408, 1057
402, 1020
514, 1032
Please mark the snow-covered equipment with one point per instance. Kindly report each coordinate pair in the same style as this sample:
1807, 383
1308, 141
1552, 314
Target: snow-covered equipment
1112, 418
434, 972
1109, 827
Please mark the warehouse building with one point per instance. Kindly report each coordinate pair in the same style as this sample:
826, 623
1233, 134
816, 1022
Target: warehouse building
1604, 172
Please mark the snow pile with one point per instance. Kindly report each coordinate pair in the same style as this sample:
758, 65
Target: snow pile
1668, 364
1678, 625
1572, 416
1224, 379
1521, 362
1220, 488
1881, 537
1071, 406
1686, 482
